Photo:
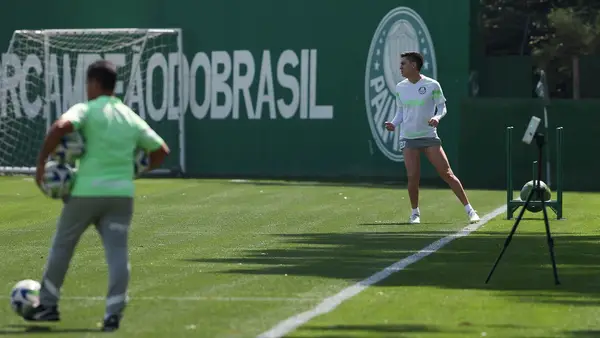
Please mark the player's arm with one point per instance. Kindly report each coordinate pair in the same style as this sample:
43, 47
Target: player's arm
157, 157
440, 101
150, 141
398, 118
70, 121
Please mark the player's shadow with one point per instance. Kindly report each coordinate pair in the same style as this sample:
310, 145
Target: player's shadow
584, 334
524, 271
386, 330
401, 223
10, 330
394, 330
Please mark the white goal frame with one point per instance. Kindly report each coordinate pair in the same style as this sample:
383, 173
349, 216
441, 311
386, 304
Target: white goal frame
48, 33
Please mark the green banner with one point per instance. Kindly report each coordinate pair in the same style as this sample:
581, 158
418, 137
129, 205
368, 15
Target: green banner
272, 88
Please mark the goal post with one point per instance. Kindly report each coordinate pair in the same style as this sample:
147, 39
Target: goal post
43, 74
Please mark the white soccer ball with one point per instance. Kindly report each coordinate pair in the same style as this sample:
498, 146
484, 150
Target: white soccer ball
141, 162
24, 296
58, 179
70, 148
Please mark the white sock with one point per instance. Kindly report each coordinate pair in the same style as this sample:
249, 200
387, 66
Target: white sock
468, 208
416, 211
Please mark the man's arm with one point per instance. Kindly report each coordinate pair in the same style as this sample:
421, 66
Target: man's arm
58, 129
70, 121
398, 118
441, 110
73, 119
150, 141
157, 157
439, 100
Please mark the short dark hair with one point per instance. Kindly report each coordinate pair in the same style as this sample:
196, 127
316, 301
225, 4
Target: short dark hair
104, 72
414, 57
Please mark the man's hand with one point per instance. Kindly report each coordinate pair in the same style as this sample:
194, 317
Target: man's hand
389, 126
434, 121
39, 174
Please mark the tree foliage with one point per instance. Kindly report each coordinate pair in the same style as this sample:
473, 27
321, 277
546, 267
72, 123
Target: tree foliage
555, 32
516, 27
569, 35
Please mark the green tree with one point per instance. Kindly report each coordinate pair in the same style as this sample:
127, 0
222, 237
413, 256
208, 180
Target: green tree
506, 24
571, 33
536, 27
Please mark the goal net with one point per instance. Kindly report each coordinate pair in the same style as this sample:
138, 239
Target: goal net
43, 73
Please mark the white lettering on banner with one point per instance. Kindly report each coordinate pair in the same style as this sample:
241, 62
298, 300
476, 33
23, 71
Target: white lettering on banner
242, 82
265, 84
55, 98
215, 85
72, 88
219, 86
303, 84
135, 99
174, 100
119, 60
31, 109
11, 77
288, 57
200, 60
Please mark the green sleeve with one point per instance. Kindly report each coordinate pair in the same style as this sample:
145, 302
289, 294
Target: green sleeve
438, 94
77, 115
148, 139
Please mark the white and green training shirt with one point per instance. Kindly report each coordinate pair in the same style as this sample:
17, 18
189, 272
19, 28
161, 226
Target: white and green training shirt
416, 104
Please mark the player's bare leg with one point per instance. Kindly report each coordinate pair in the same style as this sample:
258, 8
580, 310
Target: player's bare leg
412, 162
439, 160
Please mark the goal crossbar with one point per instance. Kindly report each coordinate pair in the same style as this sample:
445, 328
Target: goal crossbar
97, 31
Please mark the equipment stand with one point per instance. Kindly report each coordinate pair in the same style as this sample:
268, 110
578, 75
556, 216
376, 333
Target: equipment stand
540, 141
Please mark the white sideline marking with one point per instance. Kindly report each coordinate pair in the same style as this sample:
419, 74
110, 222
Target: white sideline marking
196, 299
327, 305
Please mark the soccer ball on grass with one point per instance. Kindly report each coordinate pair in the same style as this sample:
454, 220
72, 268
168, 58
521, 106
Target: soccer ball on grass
24, 296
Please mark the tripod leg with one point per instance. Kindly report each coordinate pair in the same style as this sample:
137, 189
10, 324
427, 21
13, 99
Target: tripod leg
550, 240
510, 235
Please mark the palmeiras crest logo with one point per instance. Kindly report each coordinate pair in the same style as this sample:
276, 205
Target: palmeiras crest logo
401, 30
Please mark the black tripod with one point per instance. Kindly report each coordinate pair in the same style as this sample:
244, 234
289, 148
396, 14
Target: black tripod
539, 140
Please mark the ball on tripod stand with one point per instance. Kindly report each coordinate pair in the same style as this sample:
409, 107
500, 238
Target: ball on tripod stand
525, 192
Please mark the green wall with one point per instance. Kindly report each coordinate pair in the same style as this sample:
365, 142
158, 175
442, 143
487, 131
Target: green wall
326, 132
311, 57
507, 77
589, 73
482, 142
331, 139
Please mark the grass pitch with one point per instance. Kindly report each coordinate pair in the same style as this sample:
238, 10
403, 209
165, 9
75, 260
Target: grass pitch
213, 258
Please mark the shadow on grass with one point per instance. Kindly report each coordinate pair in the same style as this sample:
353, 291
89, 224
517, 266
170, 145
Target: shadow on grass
463, 264
429, 183
401, 223
585, 334
408, 330
42, 329
381, 330
307, 183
